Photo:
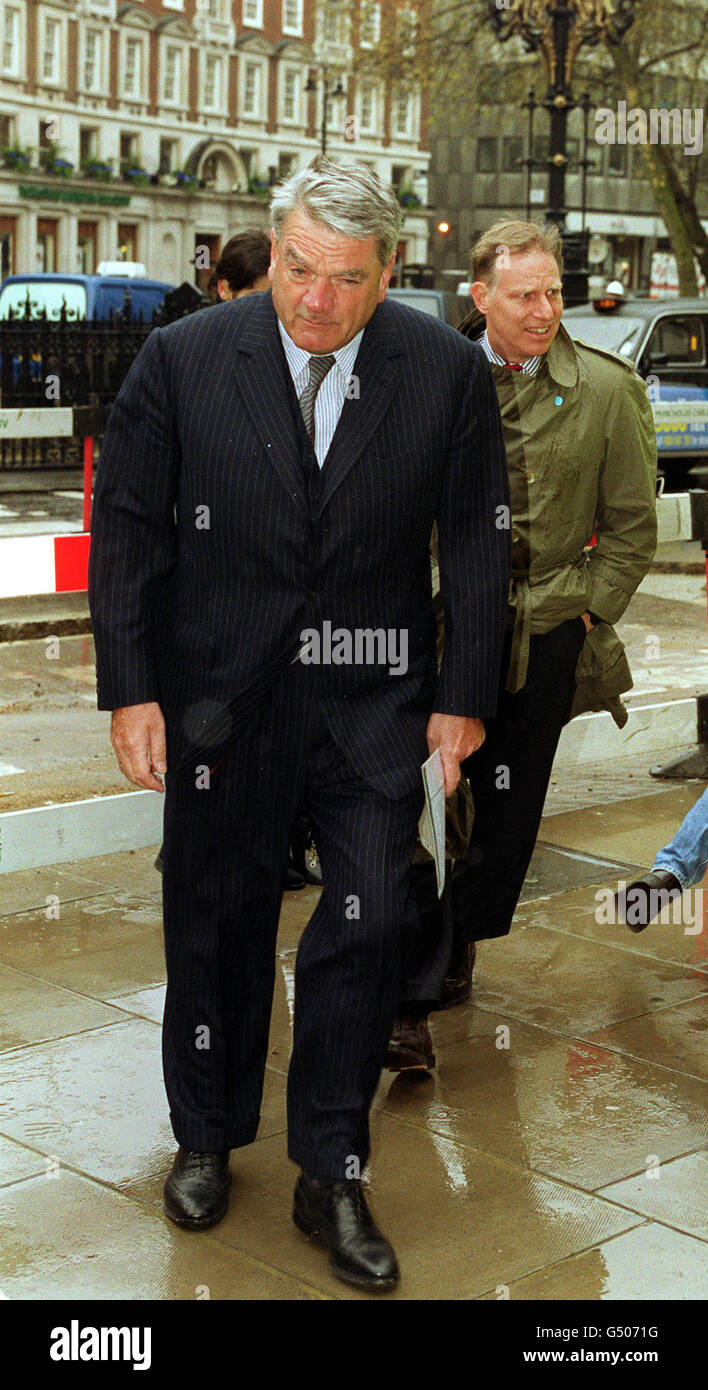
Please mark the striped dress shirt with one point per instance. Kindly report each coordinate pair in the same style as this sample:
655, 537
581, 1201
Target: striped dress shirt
332, 393
528, 368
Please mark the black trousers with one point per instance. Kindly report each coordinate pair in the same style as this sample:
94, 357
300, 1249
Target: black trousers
509, 776
224, 848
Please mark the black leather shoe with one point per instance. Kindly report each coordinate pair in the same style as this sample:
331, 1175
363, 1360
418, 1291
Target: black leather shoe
197, 1189
410, 1046
457, 988
337, 1213
644, 899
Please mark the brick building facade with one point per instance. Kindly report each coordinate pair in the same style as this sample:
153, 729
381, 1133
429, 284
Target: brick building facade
143, 131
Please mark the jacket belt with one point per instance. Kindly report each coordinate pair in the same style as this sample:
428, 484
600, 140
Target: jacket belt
520, 595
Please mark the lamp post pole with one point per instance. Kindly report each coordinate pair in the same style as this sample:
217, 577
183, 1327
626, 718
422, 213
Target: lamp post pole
559, 28
328, 92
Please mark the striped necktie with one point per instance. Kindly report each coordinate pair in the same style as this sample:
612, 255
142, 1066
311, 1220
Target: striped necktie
319, 367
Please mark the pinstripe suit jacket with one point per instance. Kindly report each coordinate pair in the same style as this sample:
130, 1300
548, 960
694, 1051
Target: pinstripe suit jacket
207, 561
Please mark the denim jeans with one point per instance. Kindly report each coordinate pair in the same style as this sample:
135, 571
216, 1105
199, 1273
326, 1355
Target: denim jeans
687, 855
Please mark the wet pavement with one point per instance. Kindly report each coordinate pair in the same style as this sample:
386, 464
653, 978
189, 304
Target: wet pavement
559, 1151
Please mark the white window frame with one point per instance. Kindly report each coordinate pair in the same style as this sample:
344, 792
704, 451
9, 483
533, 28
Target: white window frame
397, 133
370, 11
173, 4
131, 36
17, 13
405, 15
298, 75
47, 17
254, 20
373, 88
99, 84
248, 60
218, 102
178, 100
295, 26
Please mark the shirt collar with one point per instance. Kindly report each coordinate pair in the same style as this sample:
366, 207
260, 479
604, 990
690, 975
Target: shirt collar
529, 368
298, 358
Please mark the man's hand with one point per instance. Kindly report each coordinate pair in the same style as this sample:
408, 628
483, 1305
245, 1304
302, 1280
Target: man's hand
457, 738
589, 624
138, 738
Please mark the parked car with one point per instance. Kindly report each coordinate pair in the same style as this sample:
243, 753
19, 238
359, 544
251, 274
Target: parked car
667, 340
84, 296
451, 308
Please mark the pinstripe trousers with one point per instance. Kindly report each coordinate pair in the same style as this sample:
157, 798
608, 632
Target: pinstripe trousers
224, 847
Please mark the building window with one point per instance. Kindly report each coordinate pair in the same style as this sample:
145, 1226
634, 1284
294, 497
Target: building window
168, 155
8, 239
172, 77
11, 40
46, 244
50, 50
212, 81
367, 107
252, 89
128, 145
7, 131
253, 13
407, 24
88, 143
402, 113
133, 69
292, 16
92, 61
513, 152
287, 164
292, 87
487, 154
127, 241
87, 248
369, 25
617, 160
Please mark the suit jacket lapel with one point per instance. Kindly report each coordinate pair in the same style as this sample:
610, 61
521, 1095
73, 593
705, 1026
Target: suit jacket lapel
378, 370
262, 378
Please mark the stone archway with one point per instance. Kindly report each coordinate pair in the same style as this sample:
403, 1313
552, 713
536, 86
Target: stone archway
219, 165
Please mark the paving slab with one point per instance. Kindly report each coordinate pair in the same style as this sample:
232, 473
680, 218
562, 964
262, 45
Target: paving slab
68, 1238
17, 1162
582, 913
99, 946
565, 1108
565, 982
97, 1102
631, 831
674, 1193
674, 1038
460, 1220
647, 1264
34, 1011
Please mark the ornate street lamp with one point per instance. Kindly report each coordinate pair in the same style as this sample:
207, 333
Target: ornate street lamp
560, 28
329, 91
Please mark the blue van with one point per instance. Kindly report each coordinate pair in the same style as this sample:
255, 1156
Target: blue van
85, 296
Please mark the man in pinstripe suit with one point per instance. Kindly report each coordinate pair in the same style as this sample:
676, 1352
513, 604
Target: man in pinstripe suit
271, 469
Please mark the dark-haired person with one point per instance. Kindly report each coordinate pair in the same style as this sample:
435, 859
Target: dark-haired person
581, 454
242, 267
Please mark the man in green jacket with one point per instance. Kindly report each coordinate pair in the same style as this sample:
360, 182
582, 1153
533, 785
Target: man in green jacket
581, 453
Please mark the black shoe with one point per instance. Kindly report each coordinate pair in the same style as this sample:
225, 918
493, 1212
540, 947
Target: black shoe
410, 1046
292, 880
197, 1189
644, 899
457, 988
338, 1214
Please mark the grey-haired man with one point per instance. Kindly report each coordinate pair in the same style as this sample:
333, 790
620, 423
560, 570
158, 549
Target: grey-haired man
272, 468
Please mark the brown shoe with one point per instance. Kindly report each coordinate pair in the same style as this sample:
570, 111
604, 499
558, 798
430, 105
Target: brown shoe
410, 1046
457, 988
646, 898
